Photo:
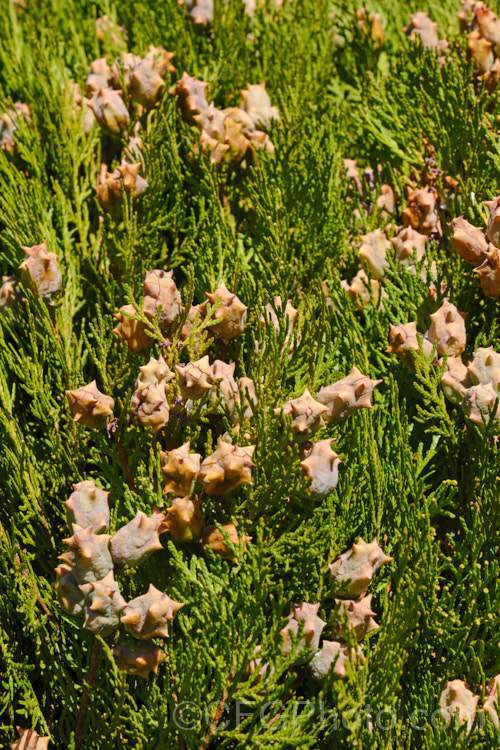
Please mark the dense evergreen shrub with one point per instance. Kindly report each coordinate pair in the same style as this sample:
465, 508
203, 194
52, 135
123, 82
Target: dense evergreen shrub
414, 473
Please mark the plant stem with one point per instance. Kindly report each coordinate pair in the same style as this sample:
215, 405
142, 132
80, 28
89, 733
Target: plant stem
89, 683
218, 714
123, 458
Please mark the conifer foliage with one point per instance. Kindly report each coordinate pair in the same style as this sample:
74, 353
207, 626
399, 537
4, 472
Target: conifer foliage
249, 374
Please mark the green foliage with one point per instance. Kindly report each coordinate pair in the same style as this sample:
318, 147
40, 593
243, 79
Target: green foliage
413, 474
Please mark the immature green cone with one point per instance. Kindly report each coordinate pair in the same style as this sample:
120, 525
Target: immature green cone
479, 403
346, 396
89, 406
422, 26
110, 111
321, 465
376, 29
140, 659
146, 84
81, 103
9, 294
103, 605
256, 665
227, 468
184, 520
336, 655
480, 50
191, 97
493, 229
245, 397
71, 598
359, 615
269, 315
490, 706
180, 469
150, 406
447, 330
230, 315
217, 151
455, 380
306, 614
257, 104
41, 271
237, 141
161, 58
88, 506
201, 12
407, 243
403, 342
131, 331
156, 371
89, 555
491, 78
373, 251
485, 367
488, 24
131, 181
469, 241
9, 123
489, 272
195, 313
137, 540
29, 740
359, 289
225, 385
352, 572
420, 213
122, 68
211, 120
110, 186
458, 703
307, 415
386, 201
100, 76
147, 616
214, 538
194, 379
159, 288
